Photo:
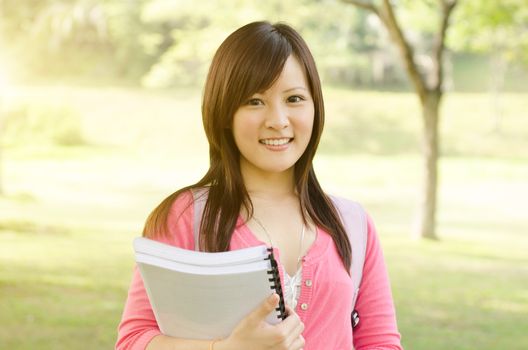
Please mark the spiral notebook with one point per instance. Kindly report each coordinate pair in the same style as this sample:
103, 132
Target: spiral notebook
200, 295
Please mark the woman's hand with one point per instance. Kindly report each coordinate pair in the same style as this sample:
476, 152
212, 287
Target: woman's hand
253, 332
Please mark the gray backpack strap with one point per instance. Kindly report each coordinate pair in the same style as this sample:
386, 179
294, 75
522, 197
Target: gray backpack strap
199, 199
354, 219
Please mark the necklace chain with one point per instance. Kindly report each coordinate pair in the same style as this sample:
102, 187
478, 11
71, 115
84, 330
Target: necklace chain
301, 240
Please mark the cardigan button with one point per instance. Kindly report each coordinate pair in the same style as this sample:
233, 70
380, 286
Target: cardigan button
308, 283
304, 306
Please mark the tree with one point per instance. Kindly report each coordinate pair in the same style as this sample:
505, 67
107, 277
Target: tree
498, 28
183, 37
428, 84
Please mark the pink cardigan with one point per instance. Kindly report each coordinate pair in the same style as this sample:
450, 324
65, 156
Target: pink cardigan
324, 304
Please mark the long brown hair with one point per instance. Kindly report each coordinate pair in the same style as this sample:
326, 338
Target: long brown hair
249, 61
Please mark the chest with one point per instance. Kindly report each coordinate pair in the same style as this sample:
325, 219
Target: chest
292, 239
325, 284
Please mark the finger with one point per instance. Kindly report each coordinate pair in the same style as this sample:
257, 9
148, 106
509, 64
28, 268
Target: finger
292, 326
263, 310
298, 344
291, 321
295, 333
289, 310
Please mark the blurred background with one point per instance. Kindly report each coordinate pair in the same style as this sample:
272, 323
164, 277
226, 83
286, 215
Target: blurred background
100, 120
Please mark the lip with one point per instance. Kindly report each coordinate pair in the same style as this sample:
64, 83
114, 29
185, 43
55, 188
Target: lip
277, 148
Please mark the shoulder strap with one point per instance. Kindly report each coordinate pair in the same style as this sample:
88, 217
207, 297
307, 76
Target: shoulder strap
199, 197
354, 219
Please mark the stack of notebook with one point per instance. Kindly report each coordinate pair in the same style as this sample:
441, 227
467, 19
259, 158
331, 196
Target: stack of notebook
201, 295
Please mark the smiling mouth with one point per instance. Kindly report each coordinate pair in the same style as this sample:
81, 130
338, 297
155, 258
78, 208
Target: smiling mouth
276, 142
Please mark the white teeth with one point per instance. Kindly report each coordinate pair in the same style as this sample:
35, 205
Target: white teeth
275, 142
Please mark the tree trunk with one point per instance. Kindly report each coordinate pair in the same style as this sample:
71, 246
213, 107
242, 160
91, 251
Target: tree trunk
429, 92
426, 220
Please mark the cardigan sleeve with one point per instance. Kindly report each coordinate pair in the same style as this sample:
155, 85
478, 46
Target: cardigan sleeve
377, 328
138, 324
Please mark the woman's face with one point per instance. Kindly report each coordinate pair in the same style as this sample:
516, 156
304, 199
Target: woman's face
273, 128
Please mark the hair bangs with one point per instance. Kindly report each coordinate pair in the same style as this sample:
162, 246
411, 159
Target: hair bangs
262, 63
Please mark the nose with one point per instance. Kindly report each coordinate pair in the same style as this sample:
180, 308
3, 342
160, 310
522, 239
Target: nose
277, 118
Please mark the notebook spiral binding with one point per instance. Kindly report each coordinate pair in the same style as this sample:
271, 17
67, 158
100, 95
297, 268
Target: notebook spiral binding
276, 284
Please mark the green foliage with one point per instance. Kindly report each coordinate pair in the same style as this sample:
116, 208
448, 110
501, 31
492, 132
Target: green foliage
420, 17
131, 54
159, 43
191, 34
491, 26
54, 39
169, 43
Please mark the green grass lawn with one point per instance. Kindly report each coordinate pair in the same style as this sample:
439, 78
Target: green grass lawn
70, 213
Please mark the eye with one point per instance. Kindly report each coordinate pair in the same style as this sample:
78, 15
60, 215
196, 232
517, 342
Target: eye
254, 102
295, 99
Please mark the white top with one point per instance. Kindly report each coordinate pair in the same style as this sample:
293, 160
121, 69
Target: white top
292, 288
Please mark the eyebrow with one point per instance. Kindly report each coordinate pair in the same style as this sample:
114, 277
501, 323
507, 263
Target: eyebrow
287, 90
296, 88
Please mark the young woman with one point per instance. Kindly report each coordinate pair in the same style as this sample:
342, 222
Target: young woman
263, 115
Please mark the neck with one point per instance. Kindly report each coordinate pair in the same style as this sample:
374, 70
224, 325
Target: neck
269, 186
